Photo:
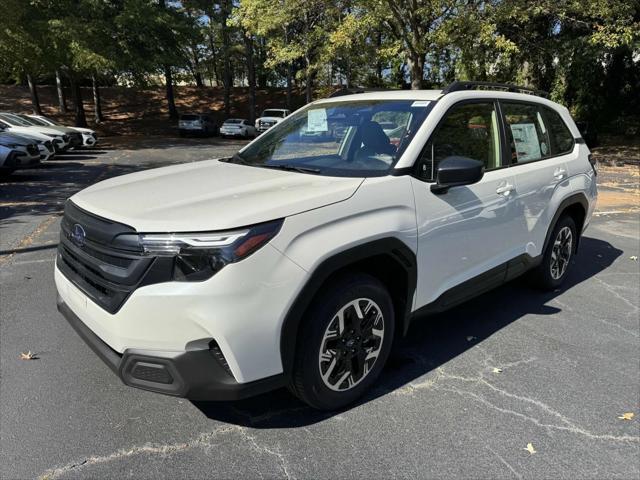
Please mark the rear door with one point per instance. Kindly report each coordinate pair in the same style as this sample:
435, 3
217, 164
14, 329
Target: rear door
470, 230
540, 145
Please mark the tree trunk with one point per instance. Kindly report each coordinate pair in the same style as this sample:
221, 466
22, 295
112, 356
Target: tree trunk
62, 101
226, 77
197, 76
251, 78
416, 68
309, 80
81, 118
289, 86
33, 90
171, 103
197, 73
379, 62
97, 103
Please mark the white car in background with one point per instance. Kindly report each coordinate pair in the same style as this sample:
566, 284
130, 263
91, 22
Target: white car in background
237, 127
270, 117
16, 125
27, 151
44, 142
75, 137
89, 137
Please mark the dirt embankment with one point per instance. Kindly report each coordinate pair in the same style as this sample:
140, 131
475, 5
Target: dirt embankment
133, 111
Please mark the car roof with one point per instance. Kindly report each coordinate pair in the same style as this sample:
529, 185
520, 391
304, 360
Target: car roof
387, 95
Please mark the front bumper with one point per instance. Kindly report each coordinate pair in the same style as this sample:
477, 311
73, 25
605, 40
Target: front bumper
196, 373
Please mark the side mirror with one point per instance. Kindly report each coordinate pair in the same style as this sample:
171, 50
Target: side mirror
456, 171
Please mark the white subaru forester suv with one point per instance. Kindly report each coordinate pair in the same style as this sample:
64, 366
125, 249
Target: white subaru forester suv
299, 260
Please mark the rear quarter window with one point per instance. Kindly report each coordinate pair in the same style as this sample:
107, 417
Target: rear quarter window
559, 134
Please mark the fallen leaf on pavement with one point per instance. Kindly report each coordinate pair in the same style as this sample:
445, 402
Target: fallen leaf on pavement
530, 448
496, 370
634, 258
28, 356
626, 416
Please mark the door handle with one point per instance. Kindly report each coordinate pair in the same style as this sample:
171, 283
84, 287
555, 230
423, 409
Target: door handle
560, 173
505, 189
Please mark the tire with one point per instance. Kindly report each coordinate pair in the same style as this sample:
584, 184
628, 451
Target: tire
329, 378
556, 260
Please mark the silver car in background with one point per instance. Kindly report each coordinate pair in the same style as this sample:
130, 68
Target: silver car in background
89, 137
27, 153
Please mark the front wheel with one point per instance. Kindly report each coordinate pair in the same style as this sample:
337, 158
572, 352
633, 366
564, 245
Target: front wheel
345, 342
551, 273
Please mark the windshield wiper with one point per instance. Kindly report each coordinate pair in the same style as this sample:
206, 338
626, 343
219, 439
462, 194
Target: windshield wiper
292, 168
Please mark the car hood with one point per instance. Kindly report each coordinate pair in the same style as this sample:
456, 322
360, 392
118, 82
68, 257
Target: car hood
210, 195
35, 130
271, 119
81, 130
60, 130
28, 133
9, 138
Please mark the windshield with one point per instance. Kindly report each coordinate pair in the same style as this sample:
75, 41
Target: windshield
15, 121
339, 138
33, 121
273, 113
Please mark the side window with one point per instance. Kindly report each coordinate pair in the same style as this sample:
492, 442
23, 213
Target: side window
527, 133
466, 130
561, 137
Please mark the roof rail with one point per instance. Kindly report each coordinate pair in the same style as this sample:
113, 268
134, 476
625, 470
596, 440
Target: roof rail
505, 87
345, 91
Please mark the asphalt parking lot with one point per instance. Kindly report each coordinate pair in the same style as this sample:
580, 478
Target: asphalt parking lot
461, 398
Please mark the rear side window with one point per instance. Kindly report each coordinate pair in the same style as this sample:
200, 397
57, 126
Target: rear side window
560, 136
527, 132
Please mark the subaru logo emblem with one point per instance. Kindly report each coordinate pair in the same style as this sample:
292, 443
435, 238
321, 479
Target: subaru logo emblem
78, 235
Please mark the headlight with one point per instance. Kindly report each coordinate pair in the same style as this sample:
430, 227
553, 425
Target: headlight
198, 256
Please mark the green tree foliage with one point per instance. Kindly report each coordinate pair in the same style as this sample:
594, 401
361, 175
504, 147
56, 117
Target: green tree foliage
585, 52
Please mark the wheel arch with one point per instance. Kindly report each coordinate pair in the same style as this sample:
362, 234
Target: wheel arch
388, 259
576, 206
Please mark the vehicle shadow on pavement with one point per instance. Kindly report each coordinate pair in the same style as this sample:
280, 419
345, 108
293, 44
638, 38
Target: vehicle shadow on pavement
42, 191
431, 343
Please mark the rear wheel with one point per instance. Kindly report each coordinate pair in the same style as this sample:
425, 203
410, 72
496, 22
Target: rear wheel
344, 343
557, 257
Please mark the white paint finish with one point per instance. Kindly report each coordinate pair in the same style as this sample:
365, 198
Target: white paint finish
242, 307
464, 232
381, 207
210, 195
456, 236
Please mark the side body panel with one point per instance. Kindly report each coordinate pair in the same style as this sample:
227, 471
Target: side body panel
464, 232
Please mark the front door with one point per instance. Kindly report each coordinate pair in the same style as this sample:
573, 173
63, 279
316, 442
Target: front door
469, 230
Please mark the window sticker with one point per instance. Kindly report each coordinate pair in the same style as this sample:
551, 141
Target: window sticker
420, 103
526, 141
317, 120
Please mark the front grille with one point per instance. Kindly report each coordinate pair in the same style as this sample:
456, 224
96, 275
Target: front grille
75, 139
49, 145
106, 273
